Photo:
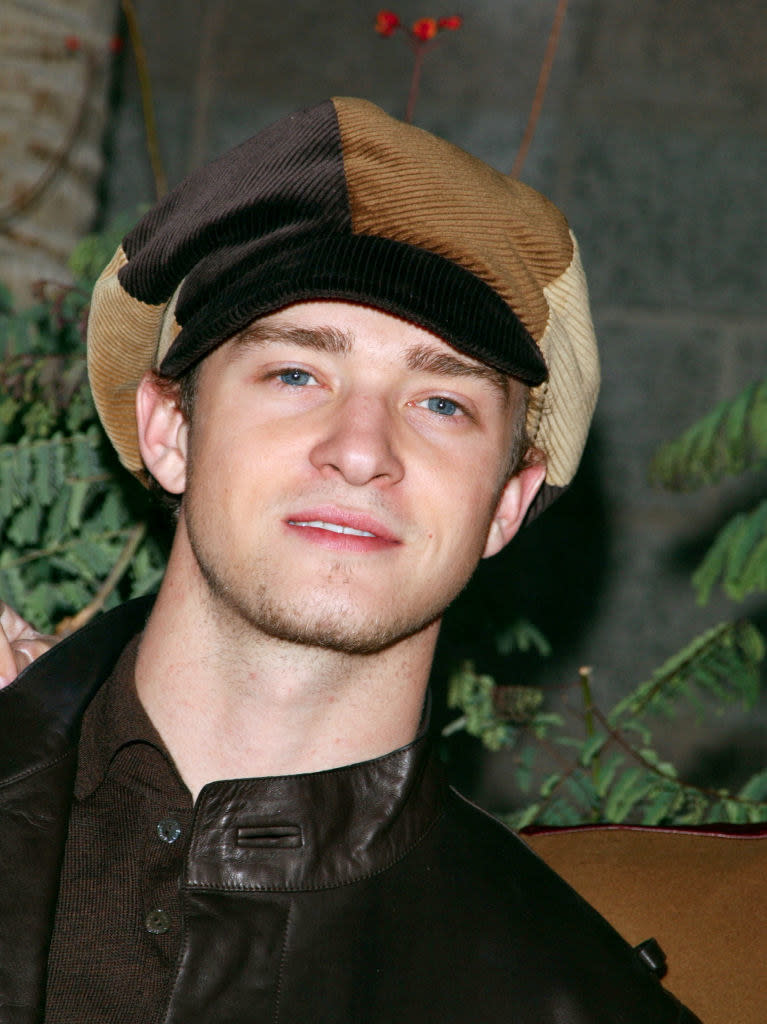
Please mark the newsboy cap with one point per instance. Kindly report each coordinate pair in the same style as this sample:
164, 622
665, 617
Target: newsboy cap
341, 201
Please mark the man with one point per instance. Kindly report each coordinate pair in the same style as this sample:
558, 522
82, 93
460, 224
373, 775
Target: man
360, 358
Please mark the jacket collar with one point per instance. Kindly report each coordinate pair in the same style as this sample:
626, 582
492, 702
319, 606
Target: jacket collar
320, 830
297, 832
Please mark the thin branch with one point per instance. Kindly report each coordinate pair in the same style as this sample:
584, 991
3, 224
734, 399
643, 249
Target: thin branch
59, 158
72, 622
419, 50
147, 104
711, 794
540, 89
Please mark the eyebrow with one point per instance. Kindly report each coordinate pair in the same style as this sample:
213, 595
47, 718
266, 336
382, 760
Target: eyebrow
322, 339
330, 339
444, 364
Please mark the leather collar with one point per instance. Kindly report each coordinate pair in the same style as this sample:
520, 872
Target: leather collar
314, 831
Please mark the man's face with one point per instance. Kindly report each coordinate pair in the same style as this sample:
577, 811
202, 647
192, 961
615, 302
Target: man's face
343, 470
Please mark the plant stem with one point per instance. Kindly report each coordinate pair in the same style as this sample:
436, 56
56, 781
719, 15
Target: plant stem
147, 104
540, 89
73, 622
584, 675
415, 80
708, 792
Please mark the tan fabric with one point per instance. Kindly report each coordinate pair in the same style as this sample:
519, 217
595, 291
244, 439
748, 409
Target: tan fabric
410, 186
560, 410
702, 896
123, 335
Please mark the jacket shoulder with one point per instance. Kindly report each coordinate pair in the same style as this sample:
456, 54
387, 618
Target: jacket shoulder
40, 714
41, 711
586, 971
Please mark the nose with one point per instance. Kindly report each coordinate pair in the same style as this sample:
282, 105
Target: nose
358, 443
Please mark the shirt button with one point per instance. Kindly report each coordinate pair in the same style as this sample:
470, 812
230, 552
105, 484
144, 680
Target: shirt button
168, 830
157, 922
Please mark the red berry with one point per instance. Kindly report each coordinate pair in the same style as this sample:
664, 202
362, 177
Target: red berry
425, 29
387, 23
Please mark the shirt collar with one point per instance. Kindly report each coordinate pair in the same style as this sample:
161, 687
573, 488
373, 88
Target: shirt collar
118, 734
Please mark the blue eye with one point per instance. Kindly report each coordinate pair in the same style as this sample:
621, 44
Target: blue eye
442, 405
297, 378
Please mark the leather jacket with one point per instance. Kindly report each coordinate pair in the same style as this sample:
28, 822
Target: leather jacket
371, 894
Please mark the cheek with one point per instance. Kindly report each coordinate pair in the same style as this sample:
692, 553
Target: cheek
462, 501
210, 475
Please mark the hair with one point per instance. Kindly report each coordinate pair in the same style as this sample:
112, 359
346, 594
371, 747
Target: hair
522, 450
183, 390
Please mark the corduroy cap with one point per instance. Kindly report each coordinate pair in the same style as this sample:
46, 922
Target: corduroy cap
341, 201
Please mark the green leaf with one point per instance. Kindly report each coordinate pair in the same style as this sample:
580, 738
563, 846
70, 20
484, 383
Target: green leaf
592, 747
607, 774
550, 784
730, 439
737, 558
631, 786
756, 788
661, 805
523, 636
75, 510
24, 528
526, 816
524, 767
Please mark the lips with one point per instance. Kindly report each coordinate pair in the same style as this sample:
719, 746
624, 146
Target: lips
342, 529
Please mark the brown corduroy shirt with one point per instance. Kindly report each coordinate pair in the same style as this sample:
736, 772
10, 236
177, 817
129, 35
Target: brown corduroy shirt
117, 930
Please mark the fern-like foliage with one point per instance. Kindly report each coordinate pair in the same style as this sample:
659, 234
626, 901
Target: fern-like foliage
606, 768
737, 559
729, 440
68, 513
721, 666
64, 522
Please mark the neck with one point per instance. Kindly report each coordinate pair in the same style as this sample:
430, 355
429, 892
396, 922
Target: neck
231, 702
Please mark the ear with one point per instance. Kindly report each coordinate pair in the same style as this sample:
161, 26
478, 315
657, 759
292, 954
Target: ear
162, 434
515, 500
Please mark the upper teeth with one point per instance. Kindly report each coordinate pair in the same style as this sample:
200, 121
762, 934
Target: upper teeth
333, 527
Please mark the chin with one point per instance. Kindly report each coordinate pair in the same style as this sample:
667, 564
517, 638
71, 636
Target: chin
339, 610
341, 628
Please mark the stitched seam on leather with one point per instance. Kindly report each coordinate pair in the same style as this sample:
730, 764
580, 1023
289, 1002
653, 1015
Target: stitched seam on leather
281, 971
29, 772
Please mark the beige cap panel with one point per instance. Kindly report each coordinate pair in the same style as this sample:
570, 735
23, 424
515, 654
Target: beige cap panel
114, 367
560, 410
